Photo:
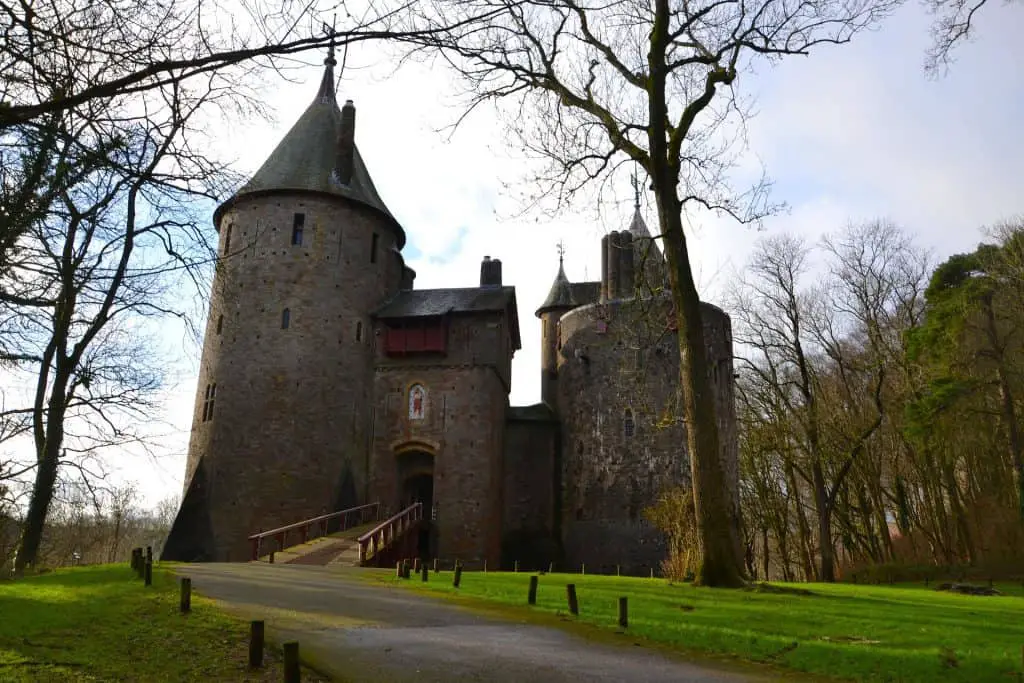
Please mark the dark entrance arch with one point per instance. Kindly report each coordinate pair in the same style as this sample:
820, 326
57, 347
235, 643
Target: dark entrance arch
416, 485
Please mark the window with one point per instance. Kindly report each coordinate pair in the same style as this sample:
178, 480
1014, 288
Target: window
227, 239
374, 243
286, 318
359, 331
211, 394
220, 323
298, 224
628, 425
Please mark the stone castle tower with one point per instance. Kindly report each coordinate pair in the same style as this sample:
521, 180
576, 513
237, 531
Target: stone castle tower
307, 251
328, 381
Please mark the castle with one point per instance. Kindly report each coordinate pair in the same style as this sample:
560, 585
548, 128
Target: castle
327, 380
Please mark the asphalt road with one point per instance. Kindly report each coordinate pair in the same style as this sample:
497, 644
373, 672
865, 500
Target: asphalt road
355, 631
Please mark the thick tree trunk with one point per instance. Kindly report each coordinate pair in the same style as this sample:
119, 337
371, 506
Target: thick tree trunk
764, 543
824, 509
716, 513
39, 507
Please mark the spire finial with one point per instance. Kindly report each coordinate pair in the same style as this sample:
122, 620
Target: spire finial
561, 253
329, 30
636, 188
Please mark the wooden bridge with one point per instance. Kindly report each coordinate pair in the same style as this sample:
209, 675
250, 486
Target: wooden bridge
355, 536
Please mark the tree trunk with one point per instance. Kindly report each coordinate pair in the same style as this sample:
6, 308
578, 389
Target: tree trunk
764, 543
810, 573
39, 507
824, 510
715, 512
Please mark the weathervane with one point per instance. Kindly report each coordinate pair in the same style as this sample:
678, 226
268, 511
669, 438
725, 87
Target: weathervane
636, 188
333, 33
561, 253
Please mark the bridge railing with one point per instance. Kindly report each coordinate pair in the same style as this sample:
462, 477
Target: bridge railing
382, 536
352, 517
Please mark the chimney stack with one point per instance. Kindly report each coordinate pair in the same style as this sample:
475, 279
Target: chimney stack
627, 270
614, 251
346, 143
490, 272
604, 269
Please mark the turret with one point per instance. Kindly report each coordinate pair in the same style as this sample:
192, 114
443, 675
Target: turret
281, 425
558, 302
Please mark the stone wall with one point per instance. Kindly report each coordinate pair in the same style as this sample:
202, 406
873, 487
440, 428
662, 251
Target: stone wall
532, 484
623, 438
462, 429
288, 438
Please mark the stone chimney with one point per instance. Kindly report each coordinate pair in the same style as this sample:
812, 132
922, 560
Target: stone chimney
614, 250
490, 272
408, 278
604, 268
346, 143
627, 268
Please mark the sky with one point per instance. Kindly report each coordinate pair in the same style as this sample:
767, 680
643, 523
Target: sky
850, 133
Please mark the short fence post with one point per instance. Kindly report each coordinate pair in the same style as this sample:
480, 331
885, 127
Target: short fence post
485, 566
255, 644
416, 564
149, 572
623, 612
291, 662
458, 574
424, 572
271, 558
531, 598
515, 567
149, 553
551, 567
570, 593
437, 568
186, 595
618, 570
135, 559
583, 569
398, 569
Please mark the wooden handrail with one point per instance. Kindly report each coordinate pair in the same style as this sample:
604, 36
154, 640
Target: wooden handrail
385, 533
305, 525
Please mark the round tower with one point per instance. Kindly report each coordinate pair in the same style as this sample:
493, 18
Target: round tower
281, 428
557, 303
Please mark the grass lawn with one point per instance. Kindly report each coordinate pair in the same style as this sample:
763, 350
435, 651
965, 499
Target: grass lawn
867, 633
100, 623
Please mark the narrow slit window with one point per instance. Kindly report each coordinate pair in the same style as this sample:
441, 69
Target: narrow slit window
628, 425
374, 244
359, 331
286, 318
208, 400
227, 239
298, 226
220, 323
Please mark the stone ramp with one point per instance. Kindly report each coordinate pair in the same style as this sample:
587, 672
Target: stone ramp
337, 548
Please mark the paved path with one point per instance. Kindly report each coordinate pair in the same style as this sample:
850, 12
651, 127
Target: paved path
356, 631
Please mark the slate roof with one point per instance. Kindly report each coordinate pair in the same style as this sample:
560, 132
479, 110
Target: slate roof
565, 294
304, 160
638, 228
422, 303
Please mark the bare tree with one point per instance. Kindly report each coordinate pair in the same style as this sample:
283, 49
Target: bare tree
953, 25
593, 84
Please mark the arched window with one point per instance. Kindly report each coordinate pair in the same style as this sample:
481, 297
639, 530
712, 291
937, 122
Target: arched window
227, 239
286, 318
628, 425
220, 323
417, 402
208, 399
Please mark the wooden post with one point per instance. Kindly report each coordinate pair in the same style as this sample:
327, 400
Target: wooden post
618, 570
652, 572
149, 572
416, 565
485, 566
135, 559
570, 593
531, 597
583, 568
424, 572
551, 567
437, 568
149, 553
458, 574
515, 567
398, 569
291, 662
186, 595
271, 558
255, 644
623, 612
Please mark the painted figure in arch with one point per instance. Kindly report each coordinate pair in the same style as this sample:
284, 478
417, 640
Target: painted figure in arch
417, 402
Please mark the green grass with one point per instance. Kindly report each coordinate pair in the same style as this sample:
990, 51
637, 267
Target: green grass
867, 633
101, 624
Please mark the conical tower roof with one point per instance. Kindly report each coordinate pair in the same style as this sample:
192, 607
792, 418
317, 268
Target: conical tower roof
306, 158
638, 228
560, 295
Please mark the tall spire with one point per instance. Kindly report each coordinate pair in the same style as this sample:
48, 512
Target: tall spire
561, 257
636, 191
326, 91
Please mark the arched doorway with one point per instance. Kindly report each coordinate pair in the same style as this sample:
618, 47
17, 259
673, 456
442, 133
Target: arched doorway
416, 485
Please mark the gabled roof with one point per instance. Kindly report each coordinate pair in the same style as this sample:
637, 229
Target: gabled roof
305, 159
424, 303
